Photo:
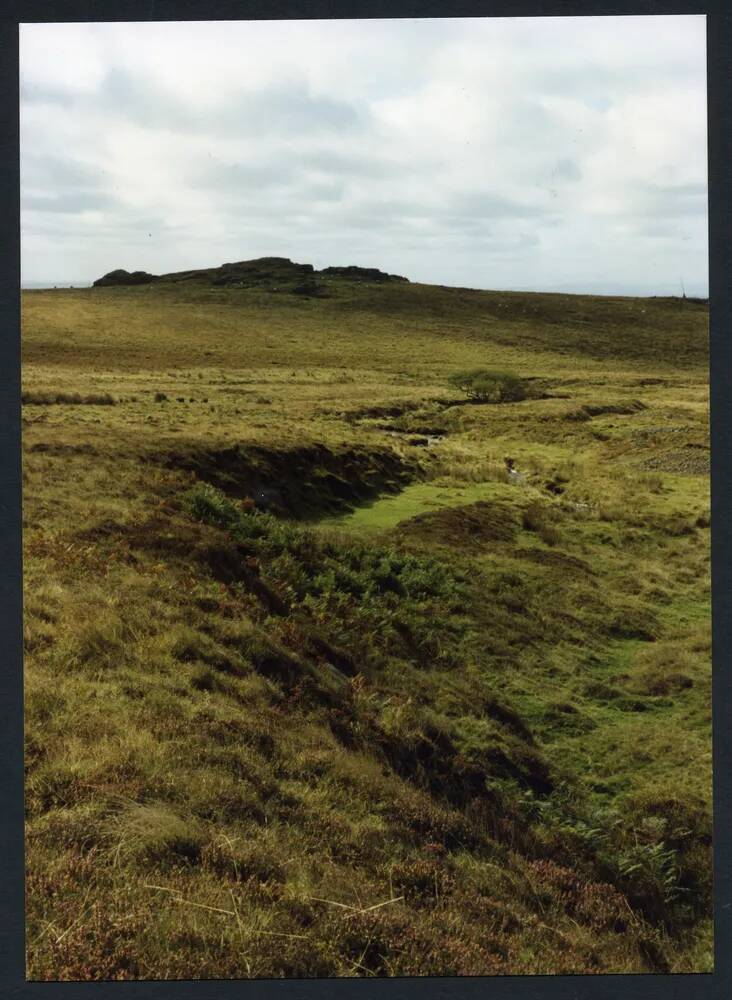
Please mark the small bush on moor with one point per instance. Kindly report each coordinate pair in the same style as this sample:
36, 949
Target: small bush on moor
487, 386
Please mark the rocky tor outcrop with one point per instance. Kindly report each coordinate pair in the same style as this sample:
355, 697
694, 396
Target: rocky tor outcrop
277, 274
122, 277
354, 273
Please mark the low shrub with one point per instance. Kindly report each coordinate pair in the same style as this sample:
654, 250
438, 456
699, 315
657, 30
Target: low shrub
206, 503
486, 386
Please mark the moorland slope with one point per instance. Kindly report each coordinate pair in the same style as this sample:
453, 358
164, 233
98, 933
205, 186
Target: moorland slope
313, 686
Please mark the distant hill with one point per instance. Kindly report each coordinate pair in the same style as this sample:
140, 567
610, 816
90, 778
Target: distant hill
274, 273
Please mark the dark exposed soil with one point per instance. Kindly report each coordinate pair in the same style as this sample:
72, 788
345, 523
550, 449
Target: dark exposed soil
302, 483
622, 409
380, 412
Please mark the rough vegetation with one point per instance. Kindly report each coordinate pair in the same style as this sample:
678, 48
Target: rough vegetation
314, 685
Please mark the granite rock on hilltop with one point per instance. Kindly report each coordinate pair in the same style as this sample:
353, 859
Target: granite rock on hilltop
122, 277
269, 273
360, 274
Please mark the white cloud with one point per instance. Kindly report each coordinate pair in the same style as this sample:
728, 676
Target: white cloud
507, 152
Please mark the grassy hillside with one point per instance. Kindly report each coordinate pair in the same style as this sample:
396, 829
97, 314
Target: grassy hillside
312, 687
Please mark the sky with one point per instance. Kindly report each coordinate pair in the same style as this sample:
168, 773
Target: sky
548, 154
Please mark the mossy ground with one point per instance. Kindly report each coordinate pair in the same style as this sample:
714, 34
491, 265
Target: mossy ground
448, 725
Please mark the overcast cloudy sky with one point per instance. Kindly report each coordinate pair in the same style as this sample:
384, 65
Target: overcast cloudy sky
538, 153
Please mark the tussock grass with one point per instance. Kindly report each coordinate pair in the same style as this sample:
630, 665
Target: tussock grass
67, 398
